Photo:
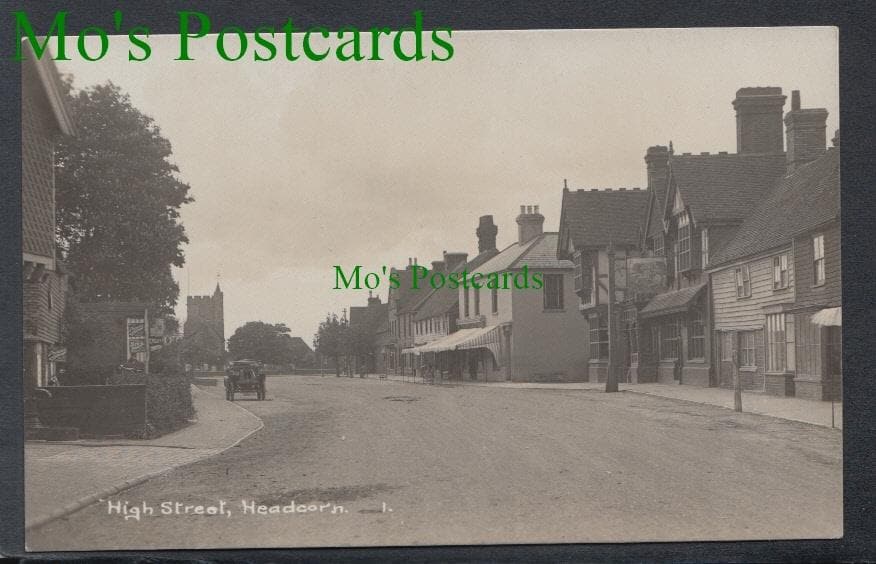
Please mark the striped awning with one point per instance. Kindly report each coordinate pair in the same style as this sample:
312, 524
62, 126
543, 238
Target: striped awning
479, 337
830, 317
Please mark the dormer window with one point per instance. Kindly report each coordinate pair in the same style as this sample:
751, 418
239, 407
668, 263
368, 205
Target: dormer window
684, 242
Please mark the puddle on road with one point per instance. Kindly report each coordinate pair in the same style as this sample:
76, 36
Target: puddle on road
401, 398
333, 495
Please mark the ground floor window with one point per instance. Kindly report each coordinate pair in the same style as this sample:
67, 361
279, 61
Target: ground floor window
748, 349
808, 347
780, 342
696, 344
670, 340
599, 337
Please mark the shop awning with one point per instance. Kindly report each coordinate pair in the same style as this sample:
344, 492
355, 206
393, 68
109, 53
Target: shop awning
487, 338
672, 302
479, 337
831, 317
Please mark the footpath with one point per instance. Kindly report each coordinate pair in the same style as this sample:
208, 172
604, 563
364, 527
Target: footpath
820, 413
63, 477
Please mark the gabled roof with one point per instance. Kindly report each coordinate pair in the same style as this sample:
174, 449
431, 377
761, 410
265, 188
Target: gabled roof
654, 210
50, 80
444, 300
596, 217
407, 296
800, 202
723, 187
369, 317
299, 345
537, 253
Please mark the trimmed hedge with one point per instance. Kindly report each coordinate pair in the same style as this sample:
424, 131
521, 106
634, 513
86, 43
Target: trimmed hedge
169, 403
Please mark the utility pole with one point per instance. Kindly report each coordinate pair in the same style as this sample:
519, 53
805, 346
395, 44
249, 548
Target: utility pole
737, 381
611, 377
146, 338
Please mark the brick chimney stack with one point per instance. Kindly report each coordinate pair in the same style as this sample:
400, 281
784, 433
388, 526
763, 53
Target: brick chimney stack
373, 300
530, 224
454, 261
806, 133
657, 164
486, 233
759, 120
437, 266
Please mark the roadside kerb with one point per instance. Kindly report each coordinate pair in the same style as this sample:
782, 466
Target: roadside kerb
127, 484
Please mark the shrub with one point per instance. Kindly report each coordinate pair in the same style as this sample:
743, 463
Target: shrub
168, 400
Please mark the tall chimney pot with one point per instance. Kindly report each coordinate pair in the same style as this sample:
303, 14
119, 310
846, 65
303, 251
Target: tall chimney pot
759, 120
529, 224
805, 132
486, 233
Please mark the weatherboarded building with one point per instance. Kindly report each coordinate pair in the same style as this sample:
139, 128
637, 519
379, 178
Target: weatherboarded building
44, 119
777, 283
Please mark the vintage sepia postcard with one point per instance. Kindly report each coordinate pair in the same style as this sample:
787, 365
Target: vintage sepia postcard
307, 287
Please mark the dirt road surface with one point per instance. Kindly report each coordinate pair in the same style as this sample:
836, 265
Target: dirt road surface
413, 464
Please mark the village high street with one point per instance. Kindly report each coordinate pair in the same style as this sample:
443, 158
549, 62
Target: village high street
421, 464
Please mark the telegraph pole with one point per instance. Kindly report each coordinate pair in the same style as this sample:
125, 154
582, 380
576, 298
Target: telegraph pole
611, 377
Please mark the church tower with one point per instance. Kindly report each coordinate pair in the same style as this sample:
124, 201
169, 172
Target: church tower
204, 329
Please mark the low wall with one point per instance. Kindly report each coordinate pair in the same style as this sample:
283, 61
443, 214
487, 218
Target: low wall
95, 410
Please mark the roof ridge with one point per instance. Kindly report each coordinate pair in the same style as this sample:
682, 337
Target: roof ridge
530, 244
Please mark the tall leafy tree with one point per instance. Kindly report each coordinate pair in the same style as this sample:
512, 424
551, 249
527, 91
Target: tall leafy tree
331, 340
118, 198
257, 340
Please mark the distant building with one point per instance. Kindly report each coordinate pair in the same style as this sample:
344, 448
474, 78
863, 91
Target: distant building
438, 312
401, 323
371, 322
303, 354
204, 330
44, 118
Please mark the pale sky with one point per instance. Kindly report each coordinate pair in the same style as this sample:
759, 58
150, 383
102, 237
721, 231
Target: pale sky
298, 166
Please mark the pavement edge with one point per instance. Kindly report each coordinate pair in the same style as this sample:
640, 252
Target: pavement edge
127, 484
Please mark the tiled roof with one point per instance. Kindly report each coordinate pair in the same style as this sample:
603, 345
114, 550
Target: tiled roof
539, 252
595, 217
725, 186
442, 300
369, 317
802, 201
407, 296
299, 345
671, 302
654, 214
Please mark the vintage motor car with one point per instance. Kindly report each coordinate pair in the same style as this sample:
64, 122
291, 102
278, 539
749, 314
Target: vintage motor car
245, 376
